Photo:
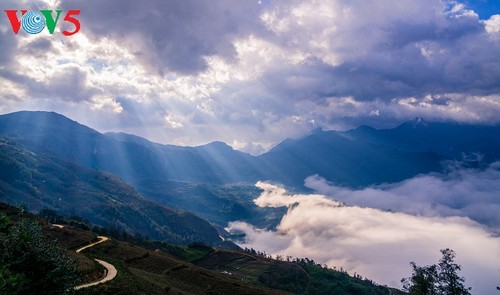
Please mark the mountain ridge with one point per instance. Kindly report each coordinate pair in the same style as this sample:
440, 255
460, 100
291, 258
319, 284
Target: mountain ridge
42, 182
217, 176
135, 158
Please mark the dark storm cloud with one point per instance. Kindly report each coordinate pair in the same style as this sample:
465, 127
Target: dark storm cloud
8, 41
7, 47
172, 34
39, 48
68, 84
267, 69
410, 60
382, 53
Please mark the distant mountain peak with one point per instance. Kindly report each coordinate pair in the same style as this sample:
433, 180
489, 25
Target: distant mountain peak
416, 123
37, 114
128, 137
216, 145
317, 130
363, 128
41, 119
419, 122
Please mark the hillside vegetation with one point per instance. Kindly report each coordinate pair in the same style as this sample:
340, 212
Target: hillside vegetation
213, 180
159, 268
41, 181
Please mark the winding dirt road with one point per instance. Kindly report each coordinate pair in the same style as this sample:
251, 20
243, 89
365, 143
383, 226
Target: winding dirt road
101, 240
110, 272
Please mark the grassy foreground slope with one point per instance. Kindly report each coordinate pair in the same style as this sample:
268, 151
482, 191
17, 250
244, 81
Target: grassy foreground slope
152, 267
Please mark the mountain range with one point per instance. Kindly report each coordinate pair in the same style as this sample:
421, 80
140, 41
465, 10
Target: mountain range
39, 182
125, 181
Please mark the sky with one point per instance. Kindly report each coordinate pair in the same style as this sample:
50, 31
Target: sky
254, 72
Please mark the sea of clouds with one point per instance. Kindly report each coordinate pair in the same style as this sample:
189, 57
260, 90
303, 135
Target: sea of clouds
378, 230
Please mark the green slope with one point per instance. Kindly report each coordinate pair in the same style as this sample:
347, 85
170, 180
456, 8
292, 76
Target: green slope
45, 182
161, 268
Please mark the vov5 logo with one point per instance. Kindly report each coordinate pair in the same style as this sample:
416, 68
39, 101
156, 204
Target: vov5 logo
34, 22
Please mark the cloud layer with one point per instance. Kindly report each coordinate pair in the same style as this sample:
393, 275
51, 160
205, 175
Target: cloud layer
252, 73
468, 193
375, 243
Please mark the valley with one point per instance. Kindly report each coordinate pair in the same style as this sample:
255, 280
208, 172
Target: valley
178, 203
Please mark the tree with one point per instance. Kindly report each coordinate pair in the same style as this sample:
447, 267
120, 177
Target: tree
9, 282
441, 279
423, 280
30, 264
449, 282
51, 216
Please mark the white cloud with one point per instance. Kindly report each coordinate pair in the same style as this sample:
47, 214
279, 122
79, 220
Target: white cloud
172, 122
371, 242
249, 73
465, 192
493, 24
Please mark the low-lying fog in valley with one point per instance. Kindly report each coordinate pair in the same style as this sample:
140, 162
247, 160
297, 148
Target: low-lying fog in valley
377, 231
